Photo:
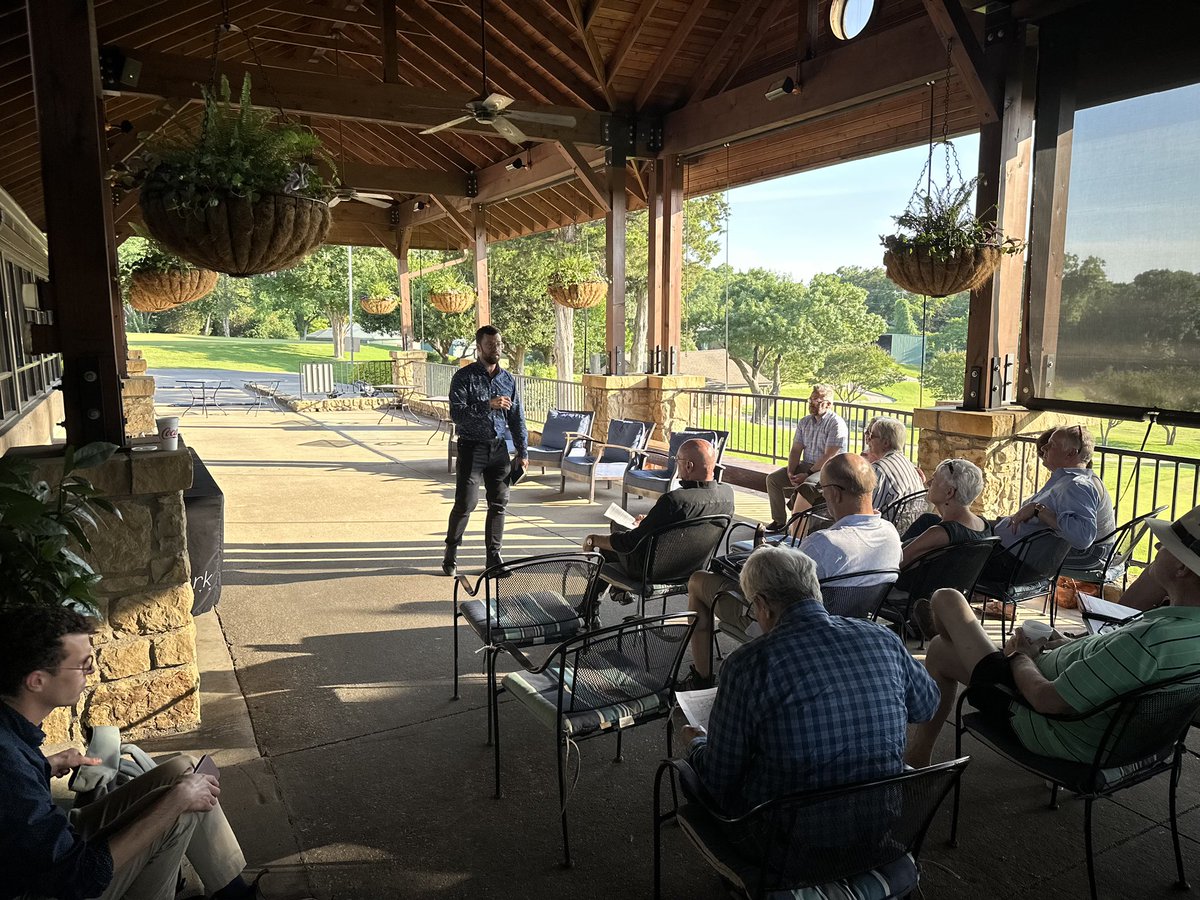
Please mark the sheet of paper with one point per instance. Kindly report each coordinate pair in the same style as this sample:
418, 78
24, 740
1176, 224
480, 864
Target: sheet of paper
620, 516
696, 705
1100, 607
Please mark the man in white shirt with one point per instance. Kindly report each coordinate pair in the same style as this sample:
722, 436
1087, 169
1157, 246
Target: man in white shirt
820, 436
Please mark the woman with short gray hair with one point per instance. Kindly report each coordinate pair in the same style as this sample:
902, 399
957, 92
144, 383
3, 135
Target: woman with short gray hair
896, 477
955, 485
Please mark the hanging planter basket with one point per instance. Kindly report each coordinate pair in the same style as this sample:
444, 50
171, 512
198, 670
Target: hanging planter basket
579, 295
917, 271
378, 306
452, 302
154, 292
238, 237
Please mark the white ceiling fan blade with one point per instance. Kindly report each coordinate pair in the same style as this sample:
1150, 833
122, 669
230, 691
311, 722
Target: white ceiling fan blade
509, 130
542, 118
374, 195
371, 201
497, 101
450, 124
335, 201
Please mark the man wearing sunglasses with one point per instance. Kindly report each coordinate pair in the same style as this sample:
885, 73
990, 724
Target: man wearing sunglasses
128, 843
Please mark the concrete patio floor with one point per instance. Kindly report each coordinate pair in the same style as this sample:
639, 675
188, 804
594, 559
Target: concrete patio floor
326, 701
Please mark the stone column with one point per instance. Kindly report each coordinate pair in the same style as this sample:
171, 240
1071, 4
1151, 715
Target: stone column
403, 370
670, 404
137, 398
147, 682
1011, 468
615, 397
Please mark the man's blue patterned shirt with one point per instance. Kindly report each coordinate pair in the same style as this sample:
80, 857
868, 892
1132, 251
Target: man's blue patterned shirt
471, 393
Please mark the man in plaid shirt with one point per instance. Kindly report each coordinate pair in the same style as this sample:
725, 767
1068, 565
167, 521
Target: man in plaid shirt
817, 701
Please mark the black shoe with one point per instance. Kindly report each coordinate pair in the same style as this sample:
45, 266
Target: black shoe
774, 527
694, 681
497, 562
449, 566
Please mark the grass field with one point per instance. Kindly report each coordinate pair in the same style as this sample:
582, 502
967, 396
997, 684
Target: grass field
185, 351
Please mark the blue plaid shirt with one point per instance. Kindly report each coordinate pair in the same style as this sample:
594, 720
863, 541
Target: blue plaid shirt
818, 701
471, 393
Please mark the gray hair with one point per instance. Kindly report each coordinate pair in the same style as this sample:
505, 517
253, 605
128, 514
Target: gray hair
891, 431
779, 577
824, 390
1081, 438
964, 476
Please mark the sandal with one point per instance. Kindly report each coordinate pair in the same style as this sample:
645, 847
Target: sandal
996, 609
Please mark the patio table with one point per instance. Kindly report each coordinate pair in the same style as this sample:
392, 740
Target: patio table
399, 407
203, 391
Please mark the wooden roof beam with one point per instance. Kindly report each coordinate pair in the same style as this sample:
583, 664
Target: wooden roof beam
461, 222
590, 180
859, 73
742, 54
593, 51
707, 74
628, 39
367, 177
950, 20
683, 28
303, 93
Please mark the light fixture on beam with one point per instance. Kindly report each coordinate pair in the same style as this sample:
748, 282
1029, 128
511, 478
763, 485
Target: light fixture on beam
418, 206
517, 163
783, 87
991, 6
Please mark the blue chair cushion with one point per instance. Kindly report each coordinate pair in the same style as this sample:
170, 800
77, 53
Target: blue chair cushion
582, 466
542, 617
558, 423
895, 879
657, 480
540, 456
612, 696
623, 433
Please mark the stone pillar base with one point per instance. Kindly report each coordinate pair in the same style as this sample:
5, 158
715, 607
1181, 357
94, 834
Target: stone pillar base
661, 399
137, 398
403, 370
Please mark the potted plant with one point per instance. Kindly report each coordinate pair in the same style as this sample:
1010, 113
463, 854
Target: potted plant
379, 300
941, 247
242, 196
38, 523
576, 281
449, 292
159, 280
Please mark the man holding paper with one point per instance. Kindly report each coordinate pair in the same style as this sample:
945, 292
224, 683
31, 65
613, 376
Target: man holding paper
697, 495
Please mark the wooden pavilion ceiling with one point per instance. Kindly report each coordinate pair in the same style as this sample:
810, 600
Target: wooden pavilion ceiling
613, 64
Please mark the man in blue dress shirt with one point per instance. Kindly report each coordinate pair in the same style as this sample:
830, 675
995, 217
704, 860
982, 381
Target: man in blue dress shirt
486, 409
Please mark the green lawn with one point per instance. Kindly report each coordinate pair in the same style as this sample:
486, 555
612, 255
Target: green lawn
185, 351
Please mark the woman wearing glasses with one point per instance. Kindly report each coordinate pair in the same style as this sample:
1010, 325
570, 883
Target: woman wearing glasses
952, 489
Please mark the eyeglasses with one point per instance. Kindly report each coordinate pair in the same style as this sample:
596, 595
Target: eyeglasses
87, 668
829, 484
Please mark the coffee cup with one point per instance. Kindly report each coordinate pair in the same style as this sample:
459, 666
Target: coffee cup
168, 432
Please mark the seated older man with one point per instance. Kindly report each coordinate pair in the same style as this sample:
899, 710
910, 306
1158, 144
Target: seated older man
1061, 675
858, 541
818, 700
895, 476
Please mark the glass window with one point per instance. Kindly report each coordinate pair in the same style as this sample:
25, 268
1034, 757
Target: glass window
847, 18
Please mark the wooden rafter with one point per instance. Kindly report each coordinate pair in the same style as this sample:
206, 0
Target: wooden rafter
628, 39
765, 22
707, 73
590, 181
387, 20
461, 222
593, 51
950, 20
666, 56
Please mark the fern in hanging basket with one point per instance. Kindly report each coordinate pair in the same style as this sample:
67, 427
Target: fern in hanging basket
380, 300
242, 196
577, 282
941, 247
449, 292
159, 280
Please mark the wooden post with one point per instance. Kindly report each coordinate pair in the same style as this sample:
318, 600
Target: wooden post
483, 303
654, 263
671, 265
88, 315
1006, 159
614, 258
403, 243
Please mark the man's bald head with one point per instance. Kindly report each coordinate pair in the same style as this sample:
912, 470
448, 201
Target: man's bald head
696, 460
847, 482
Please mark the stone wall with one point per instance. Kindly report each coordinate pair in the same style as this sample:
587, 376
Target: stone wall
662, 399
137, 397
146, 680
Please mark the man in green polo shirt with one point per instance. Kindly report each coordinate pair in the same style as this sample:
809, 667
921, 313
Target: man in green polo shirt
1066, 676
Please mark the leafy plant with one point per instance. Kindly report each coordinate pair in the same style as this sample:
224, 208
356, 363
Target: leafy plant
38, 524
576, 268
938, 221
150, 256
380, 289
447, 281
239, 151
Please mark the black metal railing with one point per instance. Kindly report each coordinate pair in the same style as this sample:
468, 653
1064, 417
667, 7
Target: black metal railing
372, 371
762, 425
540, 395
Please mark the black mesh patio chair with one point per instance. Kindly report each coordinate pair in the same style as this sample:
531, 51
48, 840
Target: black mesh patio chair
903, 511
798, 525
644, 481
857, 601
1142, 737
1032, 573
525, 602
857, 840
955, 566
605, 460
1123, 539
669, 556
560, 437
600, 682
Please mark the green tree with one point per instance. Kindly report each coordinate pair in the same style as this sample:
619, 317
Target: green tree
857, 369
517, 273
945, 374
882, 292
901, 318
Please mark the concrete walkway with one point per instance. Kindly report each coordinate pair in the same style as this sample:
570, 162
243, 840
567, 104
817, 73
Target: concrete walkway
327, 704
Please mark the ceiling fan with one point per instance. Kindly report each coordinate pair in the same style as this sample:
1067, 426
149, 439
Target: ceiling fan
492, 108
383, 201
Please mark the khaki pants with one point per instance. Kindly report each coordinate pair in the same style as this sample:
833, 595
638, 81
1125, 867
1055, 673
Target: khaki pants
780, 489
205, 838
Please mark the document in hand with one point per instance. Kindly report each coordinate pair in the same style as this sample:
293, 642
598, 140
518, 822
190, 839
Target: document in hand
1100, 615
620, 516
696, 705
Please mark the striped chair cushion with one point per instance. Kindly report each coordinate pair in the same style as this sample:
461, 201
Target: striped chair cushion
896, 879
542, 617
612, 698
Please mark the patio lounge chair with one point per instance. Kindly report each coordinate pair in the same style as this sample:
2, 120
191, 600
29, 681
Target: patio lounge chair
647, 482
903, 511
606, 460
558, 439
856, 840
1038, 557
1123, 539
598, 683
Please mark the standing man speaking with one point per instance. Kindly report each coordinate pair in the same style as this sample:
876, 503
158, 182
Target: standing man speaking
486, 410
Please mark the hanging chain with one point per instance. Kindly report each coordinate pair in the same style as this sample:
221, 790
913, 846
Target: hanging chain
952, 175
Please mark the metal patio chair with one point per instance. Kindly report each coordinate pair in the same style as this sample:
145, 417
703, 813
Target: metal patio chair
606, 460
